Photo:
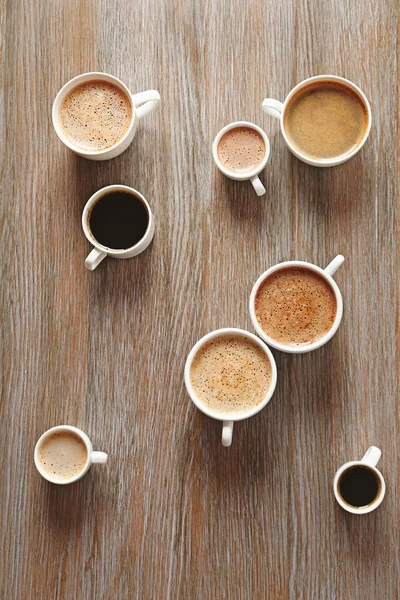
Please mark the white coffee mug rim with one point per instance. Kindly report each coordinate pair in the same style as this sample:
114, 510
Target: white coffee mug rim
94, 198
248, 174
306, 347
342, 157
82, 435
229, 416
362, 510
82, 78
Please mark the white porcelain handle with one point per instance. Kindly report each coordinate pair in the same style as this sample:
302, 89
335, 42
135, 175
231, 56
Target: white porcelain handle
334, 265
257, 185
372, 456
272, 107
94, 259
99, 458
150, 100
227, 433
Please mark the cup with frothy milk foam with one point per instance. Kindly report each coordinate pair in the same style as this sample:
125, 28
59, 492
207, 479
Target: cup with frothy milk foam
230, 375
96, 116
296, 306
64, 454
241, 151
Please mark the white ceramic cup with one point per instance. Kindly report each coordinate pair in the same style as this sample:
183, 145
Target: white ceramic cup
250, 175
99, 251
369, 460
230, 417
276, 109
325, 274
141, 104
92, 457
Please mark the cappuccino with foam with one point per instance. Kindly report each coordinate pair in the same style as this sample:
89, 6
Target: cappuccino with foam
231, 374
95, 115
62, 455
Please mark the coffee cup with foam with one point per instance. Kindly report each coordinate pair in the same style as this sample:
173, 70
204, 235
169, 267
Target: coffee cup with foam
96, 115
241, 151
230, 375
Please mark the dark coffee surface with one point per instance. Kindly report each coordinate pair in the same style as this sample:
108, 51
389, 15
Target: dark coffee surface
359, 486
119, 220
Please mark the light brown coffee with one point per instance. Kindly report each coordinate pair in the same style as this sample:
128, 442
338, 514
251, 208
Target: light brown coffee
95, 115
325, 120
231, 373
295, 306
241, 149
62, 454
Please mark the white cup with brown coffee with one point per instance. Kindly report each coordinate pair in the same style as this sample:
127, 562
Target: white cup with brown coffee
230, 375
241, 151
325, 120
296, 306
359, 486
96, 116
64, 454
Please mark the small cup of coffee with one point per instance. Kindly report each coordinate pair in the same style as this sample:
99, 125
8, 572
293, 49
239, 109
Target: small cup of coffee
358, 486
230, 375
64, 454
118, 221
241, 151
296, 306
96, 116
325, 120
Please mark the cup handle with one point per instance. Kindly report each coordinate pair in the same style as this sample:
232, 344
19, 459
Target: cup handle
334, 265
227, 433
99, 458
272, 107
94, 259
150, 100
372, 456
257, 185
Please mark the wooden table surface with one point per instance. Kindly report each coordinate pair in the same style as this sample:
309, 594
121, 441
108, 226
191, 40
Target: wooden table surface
174, 515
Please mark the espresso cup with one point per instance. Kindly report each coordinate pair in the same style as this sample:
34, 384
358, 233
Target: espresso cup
100, 251
326, 275
228, 418
368, 488
278, 110
248, 175
89, 457
141, 104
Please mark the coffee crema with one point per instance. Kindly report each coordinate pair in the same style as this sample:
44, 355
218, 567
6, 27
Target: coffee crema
241, 149
231, 373
325, 120
295, 306
62, 455
95, 115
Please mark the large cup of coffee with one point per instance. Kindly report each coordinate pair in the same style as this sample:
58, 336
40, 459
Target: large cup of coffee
230, 375
296, 306
325, 120
96, 116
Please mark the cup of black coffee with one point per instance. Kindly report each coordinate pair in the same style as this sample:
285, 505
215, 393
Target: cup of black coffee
358, 485
118, 221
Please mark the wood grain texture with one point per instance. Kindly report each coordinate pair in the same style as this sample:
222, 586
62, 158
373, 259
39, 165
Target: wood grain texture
174, 515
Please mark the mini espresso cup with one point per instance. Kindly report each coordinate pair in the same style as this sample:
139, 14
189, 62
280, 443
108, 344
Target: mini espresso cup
250, 175
369, 461
276, 109
92, 457
228, 418
141, 104
326, 274
99, 251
